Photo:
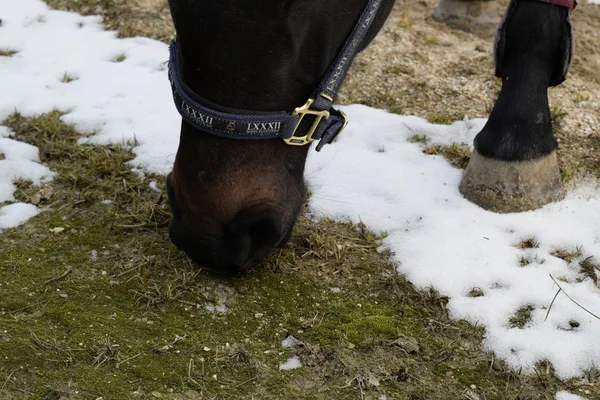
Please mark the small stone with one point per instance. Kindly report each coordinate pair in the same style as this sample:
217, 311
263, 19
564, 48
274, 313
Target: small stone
163, 349
206, 349
373, 380
58, 229
408, 344
44, 193
574, 324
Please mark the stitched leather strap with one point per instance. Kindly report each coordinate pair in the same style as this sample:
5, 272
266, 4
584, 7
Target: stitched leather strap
249, 125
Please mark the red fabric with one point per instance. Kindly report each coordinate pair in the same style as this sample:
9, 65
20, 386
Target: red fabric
570, 4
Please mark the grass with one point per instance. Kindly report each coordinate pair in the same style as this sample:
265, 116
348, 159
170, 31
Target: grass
66, 78
529, 243
120, 58
524, 261
568, 255
445, 118
429, 40
108, 307
422, 139
406, 22
7, 52
590, 269
557, 115
521, 317
457, 155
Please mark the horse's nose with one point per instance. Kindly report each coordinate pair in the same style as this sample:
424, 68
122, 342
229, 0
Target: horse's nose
250, 236
236, 245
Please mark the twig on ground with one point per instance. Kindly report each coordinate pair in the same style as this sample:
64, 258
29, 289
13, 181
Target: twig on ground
560, 289
7, 379
67, 272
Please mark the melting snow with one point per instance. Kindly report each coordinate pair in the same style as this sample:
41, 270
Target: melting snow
292, 363
568, 396
372, 174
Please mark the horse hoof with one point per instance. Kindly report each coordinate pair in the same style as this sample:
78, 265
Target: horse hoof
511, 186
469, 15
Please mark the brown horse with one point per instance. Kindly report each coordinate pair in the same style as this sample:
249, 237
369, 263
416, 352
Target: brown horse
235, 200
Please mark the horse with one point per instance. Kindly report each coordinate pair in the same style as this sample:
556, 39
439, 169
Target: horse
270, 71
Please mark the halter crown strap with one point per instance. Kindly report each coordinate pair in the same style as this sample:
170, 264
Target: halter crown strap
245, 124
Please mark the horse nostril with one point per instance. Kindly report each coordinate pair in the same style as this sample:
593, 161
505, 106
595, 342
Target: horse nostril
250, 236
239, 244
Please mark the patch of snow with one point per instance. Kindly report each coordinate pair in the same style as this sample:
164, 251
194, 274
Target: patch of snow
119, 101
154, 187
5, 132
568, 396
215, 309
16, 214
20, 161
440, 239
292, 363
289, 342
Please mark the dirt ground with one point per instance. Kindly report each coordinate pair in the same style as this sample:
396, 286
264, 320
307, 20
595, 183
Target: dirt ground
104, 307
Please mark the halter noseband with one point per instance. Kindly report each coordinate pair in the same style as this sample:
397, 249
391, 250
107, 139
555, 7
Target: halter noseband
243, 124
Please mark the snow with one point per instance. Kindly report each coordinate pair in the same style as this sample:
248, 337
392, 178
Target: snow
21, 161
292, 363
16, 214
567, 396
594, 1
119, 101
371, 174
440, 239
18, 161
154, 186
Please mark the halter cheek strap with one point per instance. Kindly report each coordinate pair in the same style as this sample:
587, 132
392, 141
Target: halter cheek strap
252, 125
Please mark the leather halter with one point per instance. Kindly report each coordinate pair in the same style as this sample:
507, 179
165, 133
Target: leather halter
256, 125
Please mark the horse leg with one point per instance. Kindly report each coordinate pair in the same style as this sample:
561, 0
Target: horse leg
514, 165
468, 15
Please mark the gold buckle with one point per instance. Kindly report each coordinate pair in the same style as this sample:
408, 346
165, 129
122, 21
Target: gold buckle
345, 119
302, 111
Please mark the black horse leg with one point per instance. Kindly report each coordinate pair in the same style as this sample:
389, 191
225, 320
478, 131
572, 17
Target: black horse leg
514, 165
